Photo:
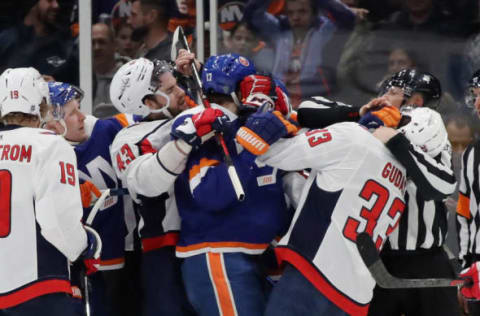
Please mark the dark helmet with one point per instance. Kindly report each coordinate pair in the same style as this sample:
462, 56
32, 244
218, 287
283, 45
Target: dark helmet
412, 81
474, 82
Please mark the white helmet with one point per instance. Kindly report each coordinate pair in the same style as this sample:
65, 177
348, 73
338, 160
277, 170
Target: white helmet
22, 90
425, 130
133, 82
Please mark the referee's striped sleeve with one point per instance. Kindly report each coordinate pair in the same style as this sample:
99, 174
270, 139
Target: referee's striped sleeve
434, 179
464, 213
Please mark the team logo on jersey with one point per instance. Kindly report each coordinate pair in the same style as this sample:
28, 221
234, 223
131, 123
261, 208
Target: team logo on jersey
244, 61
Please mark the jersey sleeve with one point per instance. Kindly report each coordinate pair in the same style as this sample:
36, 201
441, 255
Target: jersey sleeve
464, 217
434, 179
57, 199
146, 171
319, 112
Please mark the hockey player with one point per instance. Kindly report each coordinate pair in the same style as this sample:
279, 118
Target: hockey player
40, 206
355, 185
148, 162
421, 234
91, 139
221, 238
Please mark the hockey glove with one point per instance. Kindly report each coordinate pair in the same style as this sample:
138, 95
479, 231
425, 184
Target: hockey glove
199, 128
91, 255
471, 291
90, 193
257, 90
263, 129
386, 116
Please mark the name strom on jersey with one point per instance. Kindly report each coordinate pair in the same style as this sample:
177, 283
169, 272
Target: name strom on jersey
16, 152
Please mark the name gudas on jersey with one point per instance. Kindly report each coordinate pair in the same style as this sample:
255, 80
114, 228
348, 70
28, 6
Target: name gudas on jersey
16, 152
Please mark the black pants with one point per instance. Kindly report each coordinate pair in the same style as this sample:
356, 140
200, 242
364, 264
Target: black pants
416, 302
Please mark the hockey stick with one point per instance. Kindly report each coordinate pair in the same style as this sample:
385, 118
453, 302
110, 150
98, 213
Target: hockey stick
368, 252
105, 193
180, 41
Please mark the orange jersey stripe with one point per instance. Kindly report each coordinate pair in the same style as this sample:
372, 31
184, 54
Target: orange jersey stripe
219, 279
112, 262
463, 206
222, 244
204, 162
122, 118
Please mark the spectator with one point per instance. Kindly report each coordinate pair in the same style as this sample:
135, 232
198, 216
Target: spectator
299, 40
105, 64
420, 15
243, 41
125, 46
38, 42
149, 19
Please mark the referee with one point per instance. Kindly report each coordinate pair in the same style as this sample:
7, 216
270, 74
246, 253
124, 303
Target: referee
468, 217
414, 249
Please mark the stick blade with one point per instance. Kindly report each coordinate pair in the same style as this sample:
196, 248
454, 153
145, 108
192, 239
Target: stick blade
177, 43
371, 258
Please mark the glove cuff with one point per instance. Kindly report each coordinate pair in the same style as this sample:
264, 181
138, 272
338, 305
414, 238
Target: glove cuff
251, 141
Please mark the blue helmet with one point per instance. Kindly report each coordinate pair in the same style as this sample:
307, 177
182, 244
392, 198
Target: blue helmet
222, 73
60, 94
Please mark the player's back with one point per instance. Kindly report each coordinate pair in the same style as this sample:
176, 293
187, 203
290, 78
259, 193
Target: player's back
40, 212
355, 185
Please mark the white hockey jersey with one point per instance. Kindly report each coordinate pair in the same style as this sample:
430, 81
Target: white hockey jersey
355, 185
137, 158
40, 214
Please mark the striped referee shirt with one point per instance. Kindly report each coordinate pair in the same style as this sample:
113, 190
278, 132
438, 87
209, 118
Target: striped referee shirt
468, 217
423, 224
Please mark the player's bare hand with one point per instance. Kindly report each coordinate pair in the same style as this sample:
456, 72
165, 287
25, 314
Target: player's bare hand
183, 61
384, 134
374, 104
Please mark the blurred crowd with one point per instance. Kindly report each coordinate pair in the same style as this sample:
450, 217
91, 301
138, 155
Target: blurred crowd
340, 49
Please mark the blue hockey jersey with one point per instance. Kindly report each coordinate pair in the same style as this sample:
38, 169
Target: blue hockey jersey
212, 218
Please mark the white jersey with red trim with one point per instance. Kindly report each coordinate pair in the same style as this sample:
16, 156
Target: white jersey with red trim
148, 162
40, 214
355, 185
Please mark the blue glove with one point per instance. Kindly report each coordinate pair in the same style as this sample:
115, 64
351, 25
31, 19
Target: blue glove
263, 129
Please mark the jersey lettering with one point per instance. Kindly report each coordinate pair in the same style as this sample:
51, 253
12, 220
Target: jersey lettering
125, 158
5, 202
370, 189
67, 171
318, 136
14, 94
